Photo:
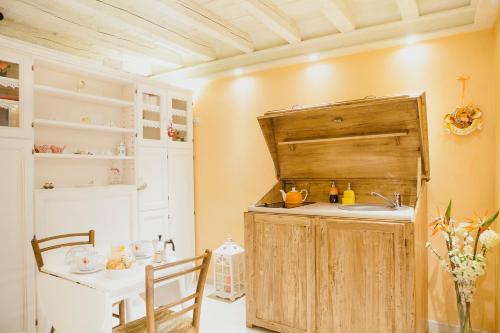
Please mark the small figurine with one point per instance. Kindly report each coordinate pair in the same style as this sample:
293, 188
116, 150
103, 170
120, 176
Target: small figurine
122, 149
171, 132
115, 176
48, 186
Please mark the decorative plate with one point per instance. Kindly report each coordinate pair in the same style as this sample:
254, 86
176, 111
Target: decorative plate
464, 120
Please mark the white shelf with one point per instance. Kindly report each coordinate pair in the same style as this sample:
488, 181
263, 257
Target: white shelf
151, 108
82, 157
52, 91
179, 127
66, 124
150, 123
180, 113
8, 104
9, 82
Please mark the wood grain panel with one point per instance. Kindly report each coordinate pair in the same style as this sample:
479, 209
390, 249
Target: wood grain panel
281, 270
359, 273
362, 157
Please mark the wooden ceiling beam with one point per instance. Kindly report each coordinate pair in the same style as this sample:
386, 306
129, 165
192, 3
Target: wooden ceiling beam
272, 17
55, 17
156, 32
193, 15
339, 14
408, 9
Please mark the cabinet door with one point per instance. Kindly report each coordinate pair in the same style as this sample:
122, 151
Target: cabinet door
153, 223
280, 271
181, 203
17, 268
180, 120
152, 116
16, 98
360, 275
152, 164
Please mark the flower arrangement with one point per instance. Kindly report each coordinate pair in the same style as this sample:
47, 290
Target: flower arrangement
467, 244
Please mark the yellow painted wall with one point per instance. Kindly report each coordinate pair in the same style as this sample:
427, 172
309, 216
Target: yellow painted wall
497, 102
233, 167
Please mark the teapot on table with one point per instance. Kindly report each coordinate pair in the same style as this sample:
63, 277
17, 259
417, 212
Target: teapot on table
294, 198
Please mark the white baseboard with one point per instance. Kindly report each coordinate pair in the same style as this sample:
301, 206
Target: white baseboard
437, 327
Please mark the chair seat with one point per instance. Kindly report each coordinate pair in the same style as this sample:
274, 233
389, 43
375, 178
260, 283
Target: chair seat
164, 324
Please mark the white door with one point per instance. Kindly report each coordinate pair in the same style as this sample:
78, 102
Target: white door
153, 223
152, 180
16, 227
181, 204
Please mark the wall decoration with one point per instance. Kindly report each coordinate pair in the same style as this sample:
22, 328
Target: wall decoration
466, 118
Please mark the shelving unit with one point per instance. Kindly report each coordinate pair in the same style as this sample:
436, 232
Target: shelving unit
82, 156
63, 93
73, 108
86, 127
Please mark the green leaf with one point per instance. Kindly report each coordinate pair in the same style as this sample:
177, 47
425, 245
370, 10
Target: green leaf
447, 215
489, 220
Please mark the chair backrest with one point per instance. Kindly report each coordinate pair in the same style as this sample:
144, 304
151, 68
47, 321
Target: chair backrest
37, 250
197, 296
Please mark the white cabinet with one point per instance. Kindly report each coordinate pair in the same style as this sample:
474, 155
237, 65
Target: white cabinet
181, 203
152, 170
16, 227
153, 223
16, 97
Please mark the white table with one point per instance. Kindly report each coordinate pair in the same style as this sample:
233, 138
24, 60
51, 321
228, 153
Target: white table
83, 303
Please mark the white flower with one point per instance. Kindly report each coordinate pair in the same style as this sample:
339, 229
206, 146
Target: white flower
489, 238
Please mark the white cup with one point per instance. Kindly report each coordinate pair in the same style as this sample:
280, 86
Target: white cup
88, 261
142, 248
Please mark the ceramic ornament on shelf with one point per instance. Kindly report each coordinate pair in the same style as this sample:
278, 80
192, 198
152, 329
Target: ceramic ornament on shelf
229, 270
466, 118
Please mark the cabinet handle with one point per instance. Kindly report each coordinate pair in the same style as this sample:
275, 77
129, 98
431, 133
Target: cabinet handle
142, 187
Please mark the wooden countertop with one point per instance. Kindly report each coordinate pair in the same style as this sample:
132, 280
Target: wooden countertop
326, 209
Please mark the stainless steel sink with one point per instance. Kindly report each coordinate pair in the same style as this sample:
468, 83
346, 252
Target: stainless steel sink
367, 207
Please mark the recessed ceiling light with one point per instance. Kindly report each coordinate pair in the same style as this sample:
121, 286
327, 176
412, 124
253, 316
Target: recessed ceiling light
238, 71
411, 39
313, 57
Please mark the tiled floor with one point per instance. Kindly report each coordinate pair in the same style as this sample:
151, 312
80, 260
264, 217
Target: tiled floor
221, 317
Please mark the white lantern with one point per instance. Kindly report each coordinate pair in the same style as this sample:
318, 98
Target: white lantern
229, 270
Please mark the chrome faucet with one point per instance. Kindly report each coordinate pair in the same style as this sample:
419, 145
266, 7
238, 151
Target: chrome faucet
394, 204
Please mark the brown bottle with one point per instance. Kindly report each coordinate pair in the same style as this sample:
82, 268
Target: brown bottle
334, 193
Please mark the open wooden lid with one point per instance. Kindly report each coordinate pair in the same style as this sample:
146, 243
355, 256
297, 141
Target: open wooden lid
368, 138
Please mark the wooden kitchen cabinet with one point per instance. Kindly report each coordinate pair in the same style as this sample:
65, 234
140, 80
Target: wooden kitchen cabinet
280, 267
325, 268
361, 273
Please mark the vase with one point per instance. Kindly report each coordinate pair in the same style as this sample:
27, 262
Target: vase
464, 316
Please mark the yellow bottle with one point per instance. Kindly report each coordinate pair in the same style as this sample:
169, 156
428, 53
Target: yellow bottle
349, 197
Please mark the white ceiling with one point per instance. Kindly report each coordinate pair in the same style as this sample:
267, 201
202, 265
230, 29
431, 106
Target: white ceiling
179, 39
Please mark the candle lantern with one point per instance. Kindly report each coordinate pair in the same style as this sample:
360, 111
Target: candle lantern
229, 270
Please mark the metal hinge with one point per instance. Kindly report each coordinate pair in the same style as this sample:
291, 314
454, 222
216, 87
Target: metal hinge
136, 135
32, 124
136, 91
32, 67
36, 322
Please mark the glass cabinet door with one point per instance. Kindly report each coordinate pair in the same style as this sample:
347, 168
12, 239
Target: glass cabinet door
152, 111
14, 107
9, 94
180, 126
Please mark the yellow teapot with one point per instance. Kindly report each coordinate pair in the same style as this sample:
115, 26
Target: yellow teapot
294, 198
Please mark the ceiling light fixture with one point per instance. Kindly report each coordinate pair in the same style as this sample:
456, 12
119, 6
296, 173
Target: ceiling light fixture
313, 57
411, 39
238, 71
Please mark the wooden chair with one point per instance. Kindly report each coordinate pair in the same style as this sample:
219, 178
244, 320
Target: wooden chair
37, 250
163, 319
